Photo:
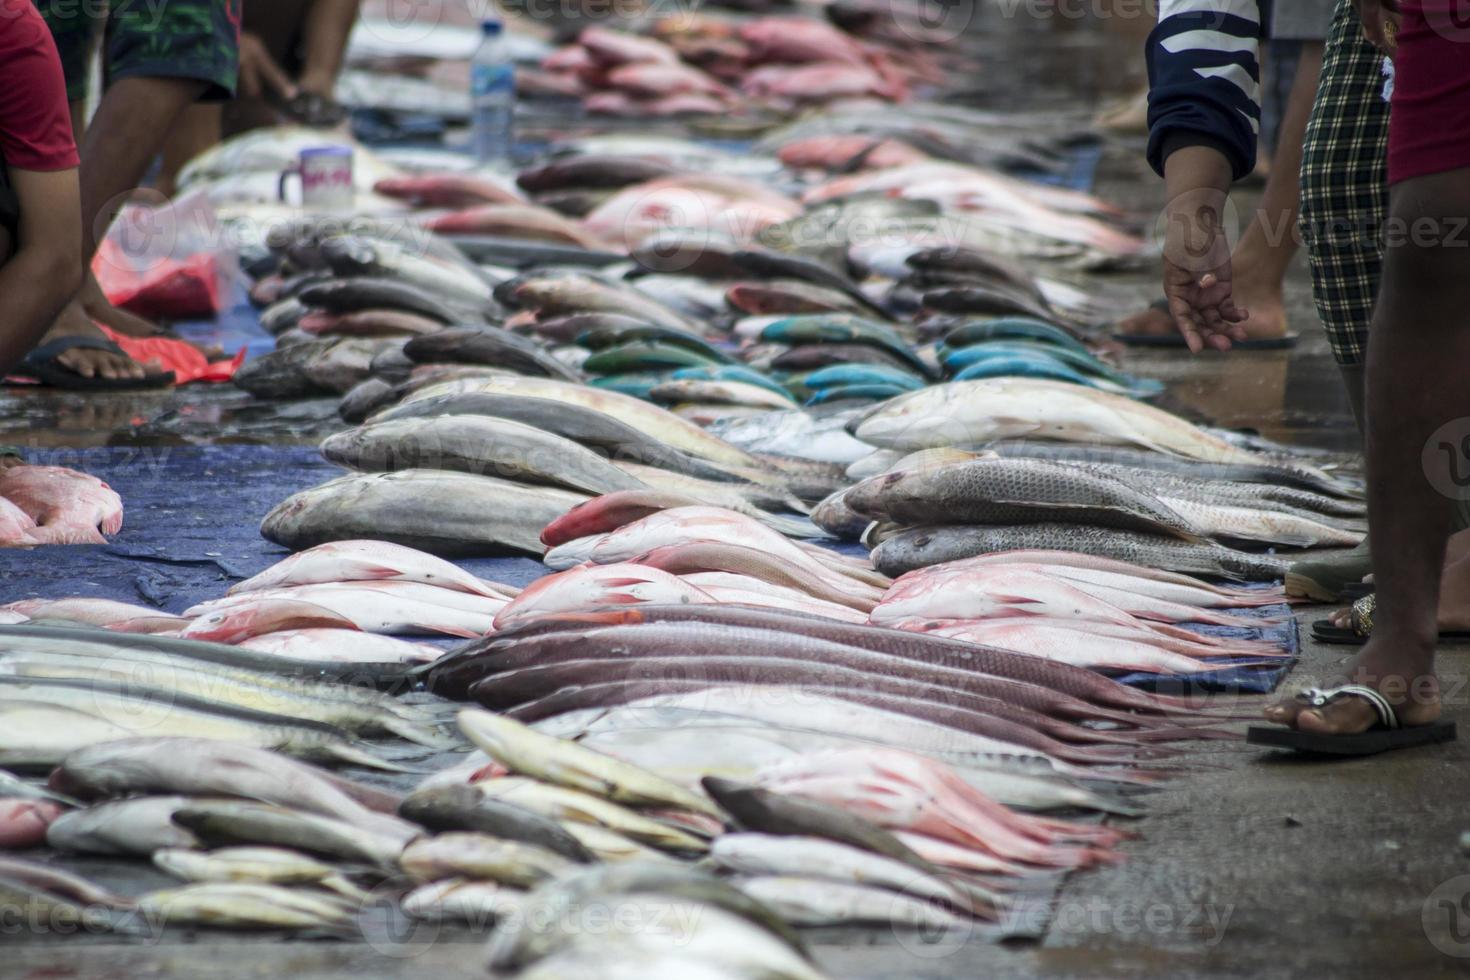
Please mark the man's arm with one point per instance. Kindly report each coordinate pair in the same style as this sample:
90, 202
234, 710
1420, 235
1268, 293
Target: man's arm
328, 25
45, 270
1203, 116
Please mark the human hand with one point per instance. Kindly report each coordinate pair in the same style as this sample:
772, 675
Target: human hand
1197, 275
1380, 20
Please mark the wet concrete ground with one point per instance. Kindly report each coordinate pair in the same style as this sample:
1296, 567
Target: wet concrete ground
1254, 864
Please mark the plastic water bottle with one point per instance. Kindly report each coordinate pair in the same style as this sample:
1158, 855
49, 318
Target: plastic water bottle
493, 96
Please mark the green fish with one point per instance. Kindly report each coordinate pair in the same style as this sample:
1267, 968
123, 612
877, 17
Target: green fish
1011, 328
644, 356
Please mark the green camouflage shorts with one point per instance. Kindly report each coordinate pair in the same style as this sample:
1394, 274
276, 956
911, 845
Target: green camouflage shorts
198, 39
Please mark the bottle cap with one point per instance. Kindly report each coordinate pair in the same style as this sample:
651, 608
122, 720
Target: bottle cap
490, 27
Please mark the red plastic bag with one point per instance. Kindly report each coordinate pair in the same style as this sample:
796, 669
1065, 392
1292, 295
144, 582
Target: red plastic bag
186, 361
166, 289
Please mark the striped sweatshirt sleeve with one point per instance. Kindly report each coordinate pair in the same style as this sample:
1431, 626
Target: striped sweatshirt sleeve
1204, 80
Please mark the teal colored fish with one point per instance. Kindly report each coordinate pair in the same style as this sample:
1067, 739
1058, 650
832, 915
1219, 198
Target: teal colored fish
602, 338
871, 392
956, 361
1024, 366
860, 374
642, 355
638, 385
842, 328
1011, 328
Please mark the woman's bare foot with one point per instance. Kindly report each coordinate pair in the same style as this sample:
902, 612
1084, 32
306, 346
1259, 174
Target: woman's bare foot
1405, 678
88, 362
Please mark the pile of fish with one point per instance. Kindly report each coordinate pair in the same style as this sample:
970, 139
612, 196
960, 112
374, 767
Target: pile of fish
969, 468
704, 64
54, 505
343, 602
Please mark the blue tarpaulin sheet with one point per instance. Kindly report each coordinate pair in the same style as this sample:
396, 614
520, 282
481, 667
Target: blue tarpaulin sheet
191, 530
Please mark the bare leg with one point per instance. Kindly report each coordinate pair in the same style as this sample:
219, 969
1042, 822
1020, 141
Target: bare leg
197, 130
120, 144
1418, 327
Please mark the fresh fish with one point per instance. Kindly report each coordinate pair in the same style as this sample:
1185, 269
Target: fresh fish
830, 861
590, 428
1004, 491
490, 346
592, 170
23, 822
967, 413
445, 513
539, 932
480, 856
48, 907
445, 190
342, 646
675, 391
792, 296
368, 561
926, 545
526, 751
1019, 364
128, 710
1012, 328
1265, 526
652, 420
865, 392
456, 283
591, 586
609, 845
375, 607
241, 823
255, 865
281, 373
1074, 644
839, 520
367, 323
842, 375
465, 808
838, 329
200, 768
815, 356
477, 444
108, 613
57, 882
815, 902
67, 507
375, 293
698, 556
137, 826
797, 435
238, 905
645, 356
346, 363
766, 812
457, 900
566, 294
561, 803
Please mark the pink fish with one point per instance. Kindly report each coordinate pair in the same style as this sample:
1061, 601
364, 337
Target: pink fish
799, 40
341, 645
656, 81
517, 221
593, 586
447, 190
17, 529
748, 591
730, 206
369, 561
957, 857
120, 616
1075, 564
244, 620
840, 151
23, 822
821, 82
381, 607
1073, 643
53, 495
609, 48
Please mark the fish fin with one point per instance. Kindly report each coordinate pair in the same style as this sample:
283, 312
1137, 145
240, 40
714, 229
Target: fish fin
447, 631
421, 736
358, 757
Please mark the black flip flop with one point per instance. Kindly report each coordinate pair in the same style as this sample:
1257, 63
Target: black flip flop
42, 365
1386, 735
1326, 631
1176, 340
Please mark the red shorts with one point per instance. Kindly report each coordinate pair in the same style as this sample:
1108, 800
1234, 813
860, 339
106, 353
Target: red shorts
1429, 124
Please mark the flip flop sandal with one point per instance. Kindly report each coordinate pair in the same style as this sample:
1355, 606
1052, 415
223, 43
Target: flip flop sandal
1176, 340
1387, 733
1361, 627
42, 364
